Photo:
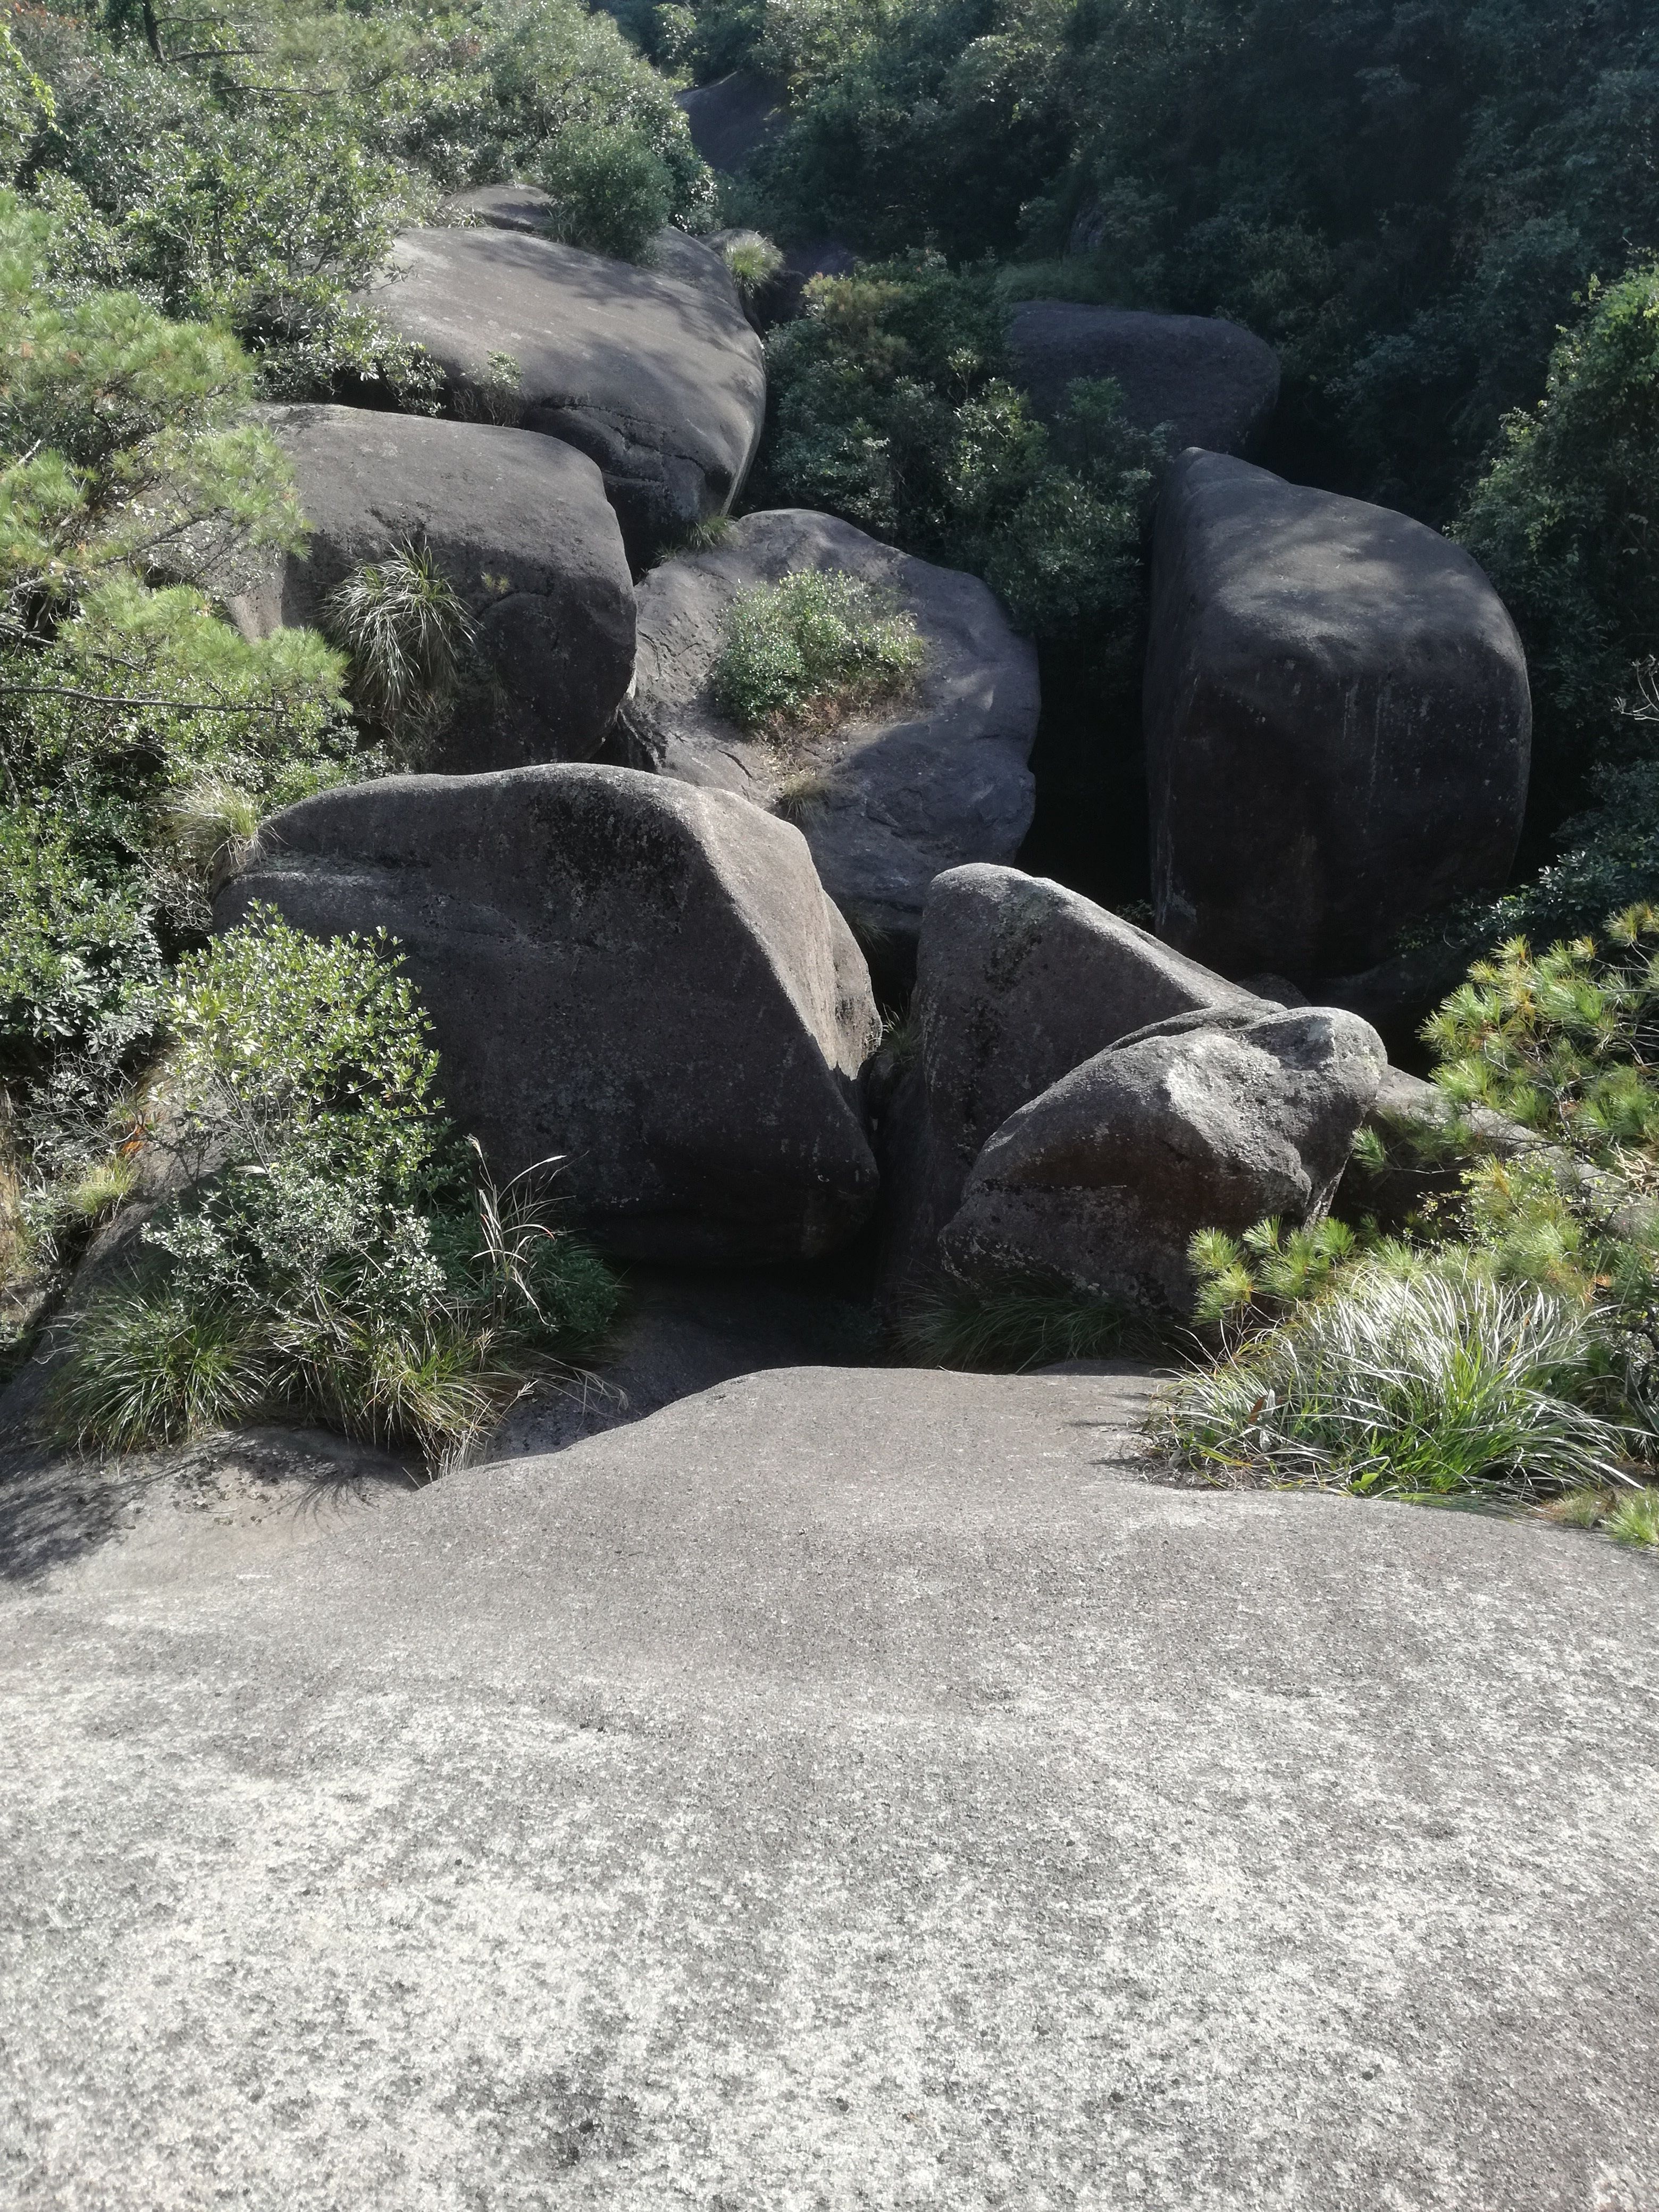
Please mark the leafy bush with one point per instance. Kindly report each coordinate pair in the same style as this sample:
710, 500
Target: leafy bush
1525, 1303
336, 1254
892, 408
815, 644
610, 193
1561, 520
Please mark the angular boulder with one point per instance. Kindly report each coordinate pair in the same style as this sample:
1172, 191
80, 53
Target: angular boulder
1099, 1185
1018, 980
521, 528
644, 980
1338, 723
654, 372
889, 797
1215, 383
732, 118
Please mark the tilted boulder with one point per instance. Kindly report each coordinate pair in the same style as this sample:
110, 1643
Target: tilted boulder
732, 118
891, 796
520, 527
1099, 1184
653, 372
644, 980
1338, 723
1018, 980
1215, 383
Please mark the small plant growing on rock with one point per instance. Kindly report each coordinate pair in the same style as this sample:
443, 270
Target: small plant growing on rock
753, 260
611, 192
812, 648
337, 1252
408, 634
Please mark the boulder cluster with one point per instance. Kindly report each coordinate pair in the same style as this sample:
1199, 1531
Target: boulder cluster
647, 936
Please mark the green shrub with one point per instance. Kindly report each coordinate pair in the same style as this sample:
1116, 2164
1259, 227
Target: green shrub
1561, 522
815, 645
610, 193
337, 1252
892, 408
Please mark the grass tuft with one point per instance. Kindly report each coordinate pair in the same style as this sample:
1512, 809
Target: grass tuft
407, 632
1408, 1382
1014, 1326
753, 260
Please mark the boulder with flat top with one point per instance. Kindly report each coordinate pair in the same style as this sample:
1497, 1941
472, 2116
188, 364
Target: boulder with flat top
643, 981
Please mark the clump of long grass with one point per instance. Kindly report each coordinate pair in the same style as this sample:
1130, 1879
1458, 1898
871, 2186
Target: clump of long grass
1408, 1381
215, 823
1010, 1327
753, 260
407, 633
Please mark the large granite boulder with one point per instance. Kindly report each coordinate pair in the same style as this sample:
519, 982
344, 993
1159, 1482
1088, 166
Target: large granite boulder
1099, 1184
732, 118
1215, 383
654, 372
1338, 723
521, 528
1018, 980
889, 798
644, 980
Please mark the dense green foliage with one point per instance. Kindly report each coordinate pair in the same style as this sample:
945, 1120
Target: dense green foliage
1511, 1336
893, 408
336, 1254
812, 646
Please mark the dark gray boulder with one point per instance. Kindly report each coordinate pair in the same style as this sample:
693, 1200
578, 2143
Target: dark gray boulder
1099, 1184
1338, 723
521, 528
889, 798
654, 372
1018, 980
644, 980
732, 118
1215, 383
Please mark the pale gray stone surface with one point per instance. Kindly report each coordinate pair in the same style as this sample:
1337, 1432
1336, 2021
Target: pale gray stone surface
1214, 383
518, 525
644, 981
654, 372
935, 778
1338, 723
845, 1789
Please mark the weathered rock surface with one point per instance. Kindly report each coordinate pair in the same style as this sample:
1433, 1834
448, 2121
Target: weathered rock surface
843, 1784
889, 798
1215, 383
521, 528
732, 118
1099, 1184
644, 980
1018, 980
654, 372
1338, 723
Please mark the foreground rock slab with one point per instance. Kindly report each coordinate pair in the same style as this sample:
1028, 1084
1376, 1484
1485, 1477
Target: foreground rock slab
644, 982
656, 377
1338, 723
842, 1788
520, 526
1214, 383
890, 797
